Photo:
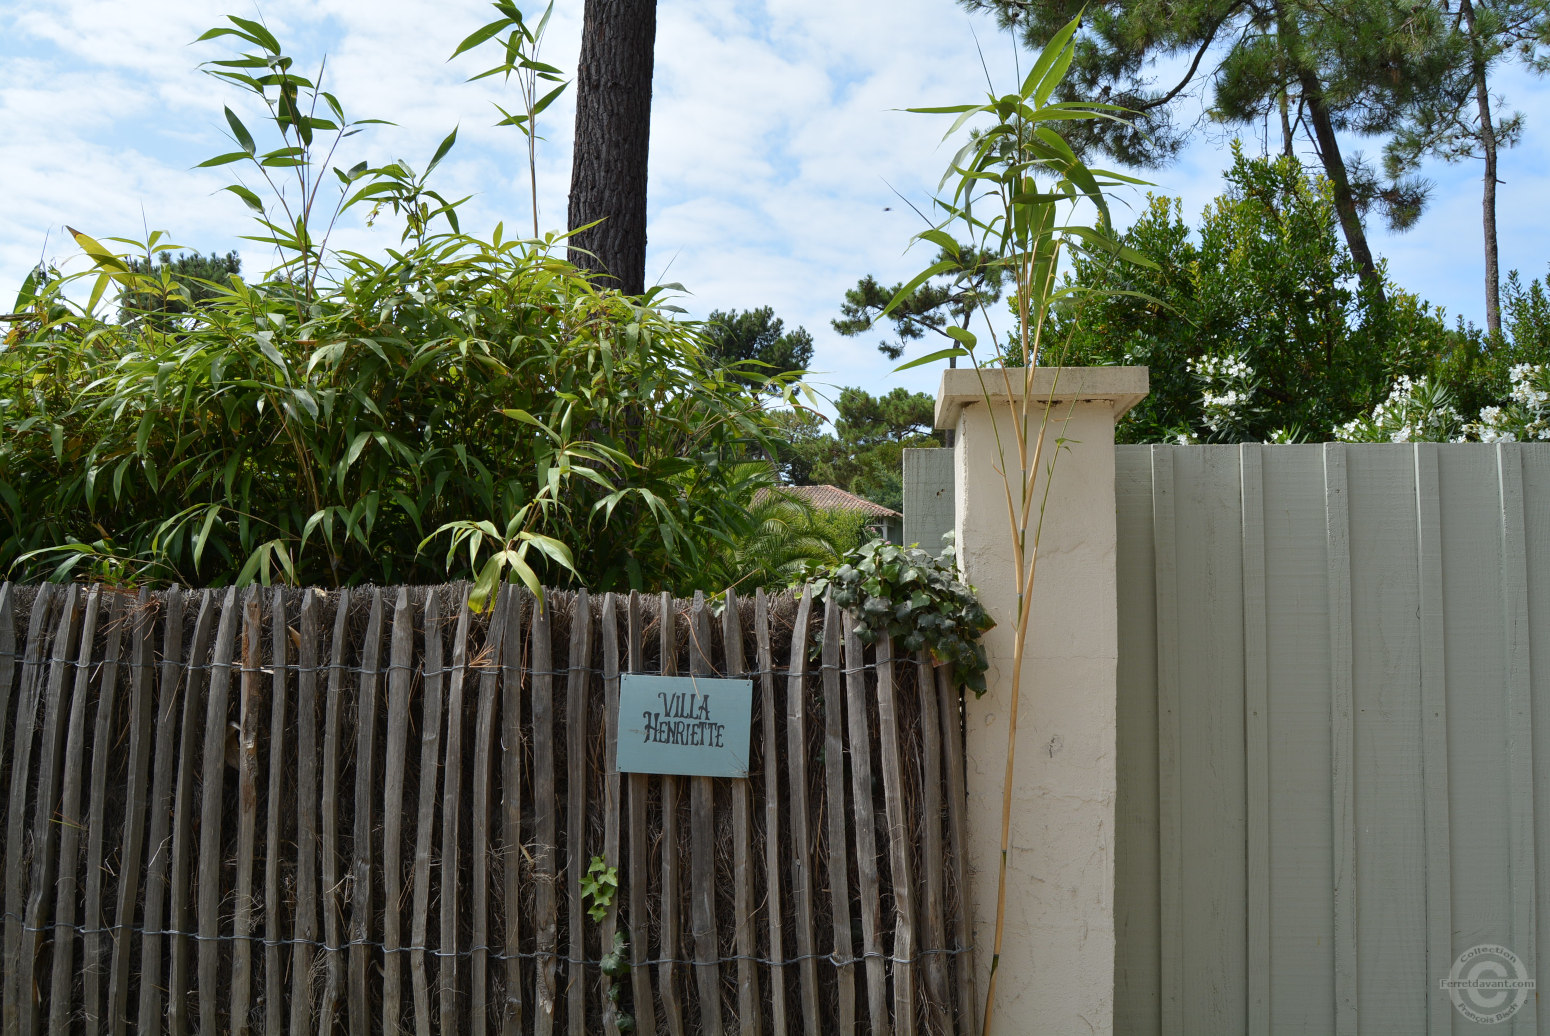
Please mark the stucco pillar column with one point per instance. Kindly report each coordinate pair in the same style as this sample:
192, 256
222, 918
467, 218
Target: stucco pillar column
1057, 958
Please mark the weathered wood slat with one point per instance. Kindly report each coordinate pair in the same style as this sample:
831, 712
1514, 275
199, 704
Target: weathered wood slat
514, 662
141, 629
400, 682
638, 877
770, 782
425, 830
545, 823
938, 996
479, 850
69, 819
801, 837
8, 658
359, 999
279, 656
305, 925
452, 776
611, 793
834, 795
702, 839
332, 855
28, 695
249, 709
957, 842
743, 911
159, 838
211, 811
900, 874
859, 737
50, 762
576, 687
667, 981
94, 945
183, 847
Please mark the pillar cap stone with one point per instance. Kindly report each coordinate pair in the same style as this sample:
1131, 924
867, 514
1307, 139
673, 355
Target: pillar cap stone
1120, 387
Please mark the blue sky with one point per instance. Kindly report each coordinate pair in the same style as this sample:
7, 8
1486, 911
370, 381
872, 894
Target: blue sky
776, 143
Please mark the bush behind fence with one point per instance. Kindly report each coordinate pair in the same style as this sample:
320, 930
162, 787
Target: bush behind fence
372, 809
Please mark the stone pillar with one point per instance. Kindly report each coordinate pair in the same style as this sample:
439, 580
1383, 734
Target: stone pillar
1056, 973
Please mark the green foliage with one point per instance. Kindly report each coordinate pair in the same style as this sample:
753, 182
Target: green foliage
599, 884
785, 540
1258, 332
181, 279
865, 453
758, 340
348, 416
916, 599
972, 281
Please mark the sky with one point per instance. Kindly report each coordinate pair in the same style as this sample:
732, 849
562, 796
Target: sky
779, 148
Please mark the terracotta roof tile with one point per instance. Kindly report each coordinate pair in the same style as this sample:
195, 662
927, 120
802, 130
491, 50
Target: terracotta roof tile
833, 498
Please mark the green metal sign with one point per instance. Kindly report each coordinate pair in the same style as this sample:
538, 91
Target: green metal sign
692, 725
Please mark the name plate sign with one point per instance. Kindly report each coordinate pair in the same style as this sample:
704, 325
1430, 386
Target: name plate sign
692, 725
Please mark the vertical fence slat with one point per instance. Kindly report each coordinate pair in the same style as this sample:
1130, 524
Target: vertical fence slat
771, 784
102, 750
50, 762
142, 730
305, 925
211, 810
274, 1006
452, 773
639, 876
1343, 738
957, 840
27, 697
65, 879
331, 855
1519, 714
577, 681
801, 835
667, 983
249, 708
479, 850
400, 674
834, 793
545, 821
743, 911
859, 737
938, 998
1169, 739
359, 999
8, 659
158, 840
425, 815
1256, 681
197, 677
611, 792
702, 861
901, 874
513, 1018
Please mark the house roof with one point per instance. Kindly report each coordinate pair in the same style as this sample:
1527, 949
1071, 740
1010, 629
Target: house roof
833, 498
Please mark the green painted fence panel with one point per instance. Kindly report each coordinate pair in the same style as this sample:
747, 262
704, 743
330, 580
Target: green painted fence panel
1333, 776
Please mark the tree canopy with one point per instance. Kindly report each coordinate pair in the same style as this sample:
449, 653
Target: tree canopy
757, 339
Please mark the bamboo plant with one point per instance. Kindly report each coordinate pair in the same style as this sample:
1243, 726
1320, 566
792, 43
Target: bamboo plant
1017, 190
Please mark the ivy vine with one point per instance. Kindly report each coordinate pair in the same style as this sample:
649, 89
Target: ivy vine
917, 599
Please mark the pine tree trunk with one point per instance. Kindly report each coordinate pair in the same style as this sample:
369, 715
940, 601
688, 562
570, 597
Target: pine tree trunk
1493, 303
1340, 183
613, 129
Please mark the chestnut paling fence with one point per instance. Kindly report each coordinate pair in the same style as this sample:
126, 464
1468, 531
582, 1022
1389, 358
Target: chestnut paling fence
371, 810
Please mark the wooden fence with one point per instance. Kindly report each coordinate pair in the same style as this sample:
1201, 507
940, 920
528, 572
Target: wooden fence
370, 810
